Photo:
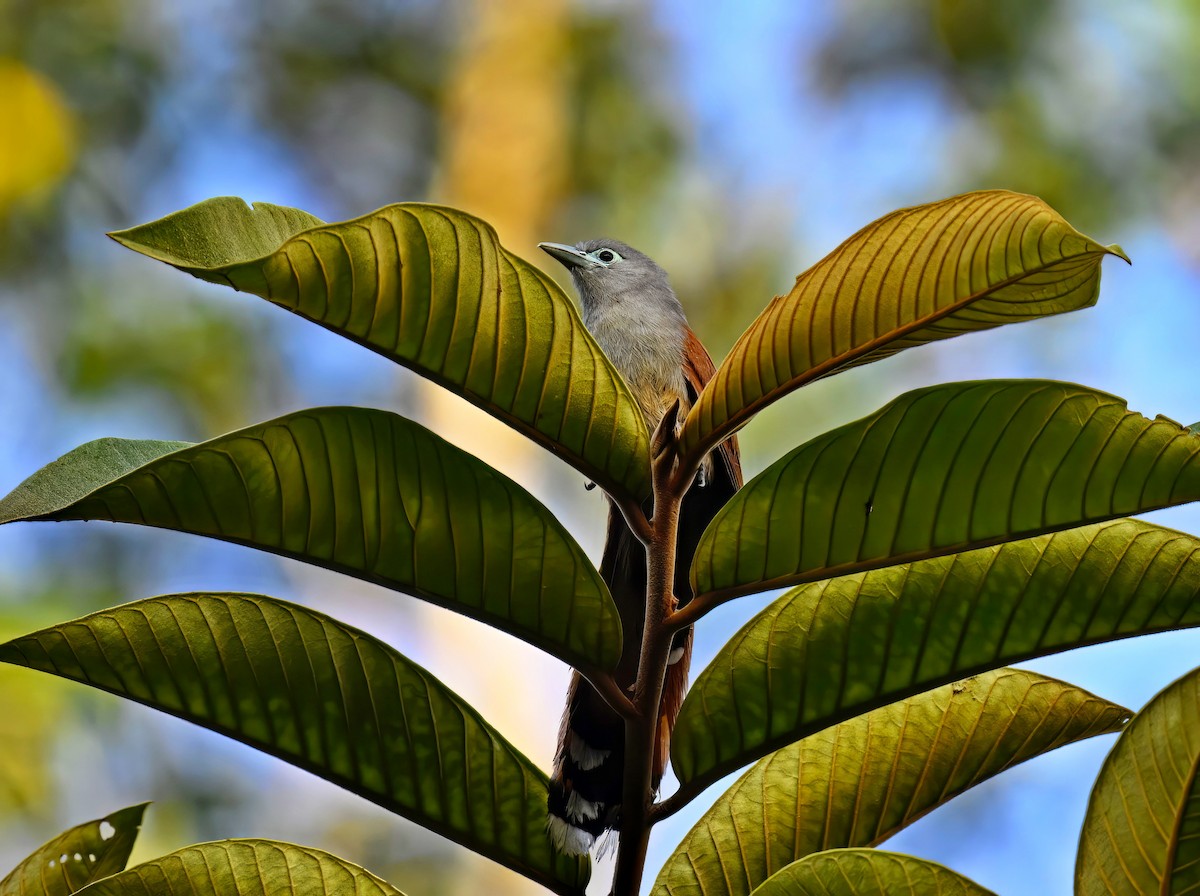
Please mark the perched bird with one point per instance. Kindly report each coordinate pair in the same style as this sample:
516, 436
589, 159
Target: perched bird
631, 310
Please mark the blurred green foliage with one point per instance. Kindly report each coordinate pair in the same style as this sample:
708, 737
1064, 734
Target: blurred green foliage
1094, 107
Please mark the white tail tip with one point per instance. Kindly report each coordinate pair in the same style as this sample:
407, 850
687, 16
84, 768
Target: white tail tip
567, 838
579, 809
587, 758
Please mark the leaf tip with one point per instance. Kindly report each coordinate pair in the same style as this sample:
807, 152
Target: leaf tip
131, 817
1116, 250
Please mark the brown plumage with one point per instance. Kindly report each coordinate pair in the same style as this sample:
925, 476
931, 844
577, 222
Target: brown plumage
636, 318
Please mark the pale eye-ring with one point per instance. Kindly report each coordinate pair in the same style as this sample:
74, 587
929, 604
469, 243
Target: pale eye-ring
608, 256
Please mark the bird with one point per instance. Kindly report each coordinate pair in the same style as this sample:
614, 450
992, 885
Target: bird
634, 315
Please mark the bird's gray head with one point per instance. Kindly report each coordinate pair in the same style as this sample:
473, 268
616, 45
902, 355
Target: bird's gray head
608, 272
631, 310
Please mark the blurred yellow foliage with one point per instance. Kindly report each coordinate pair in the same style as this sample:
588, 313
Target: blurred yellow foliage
506, 117
31, 717
37, 134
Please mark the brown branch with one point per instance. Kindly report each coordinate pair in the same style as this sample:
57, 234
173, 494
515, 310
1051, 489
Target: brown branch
641, 730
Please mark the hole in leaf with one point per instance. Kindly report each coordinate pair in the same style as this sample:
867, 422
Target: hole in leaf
107, 831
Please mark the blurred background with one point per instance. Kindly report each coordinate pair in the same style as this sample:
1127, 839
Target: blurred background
735, 143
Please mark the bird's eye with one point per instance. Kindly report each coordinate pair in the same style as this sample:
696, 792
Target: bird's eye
608, 256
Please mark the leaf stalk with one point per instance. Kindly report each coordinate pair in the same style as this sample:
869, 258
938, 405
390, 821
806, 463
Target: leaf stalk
641, 730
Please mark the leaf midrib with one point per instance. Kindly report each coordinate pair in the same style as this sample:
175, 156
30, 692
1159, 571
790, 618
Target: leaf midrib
721, 595
585, 664
383, 800
737, 420
594, 472
1165, 886
688, 790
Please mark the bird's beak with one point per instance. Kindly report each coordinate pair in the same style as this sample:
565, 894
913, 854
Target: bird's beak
569, 255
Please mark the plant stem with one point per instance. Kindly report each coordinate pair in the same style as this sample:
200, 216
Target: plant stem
606, 686
672, 804
641, 729
688, 614
635, 518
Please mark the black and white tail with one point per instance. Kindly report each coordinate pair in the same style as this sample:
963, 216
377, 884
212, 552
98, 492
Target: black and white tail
585, 785
585, 788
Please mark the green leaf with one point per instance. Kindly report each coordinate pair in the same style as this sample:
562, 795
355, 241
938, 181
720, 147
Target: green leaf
77, 857
964, 264
861, 781
943, 470
867, 872
244, 868
830, 650
361, 492
1141, 833
325, 697
430, 288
